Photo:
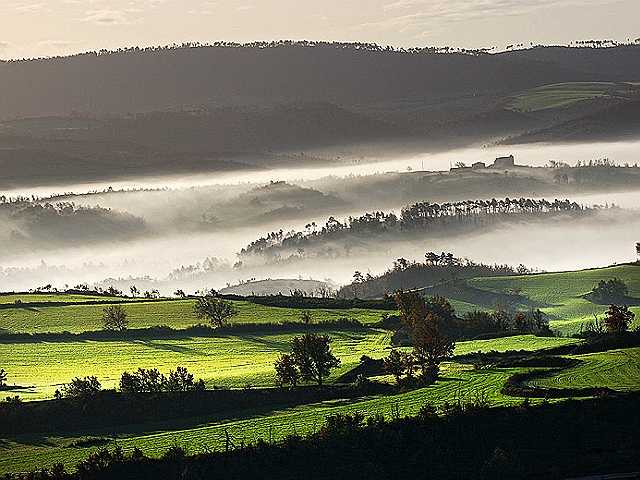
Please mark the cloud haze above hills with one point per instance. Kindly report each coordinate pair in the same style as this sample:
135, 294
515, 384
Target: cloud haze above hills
36, 28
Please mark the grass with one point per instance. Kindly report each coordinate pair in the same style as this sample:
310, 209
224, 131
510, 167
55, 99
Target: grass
250, 355
560, 95
616, 369
519, 342
21, 453
559, 295
223, 361
79, 316
247, 359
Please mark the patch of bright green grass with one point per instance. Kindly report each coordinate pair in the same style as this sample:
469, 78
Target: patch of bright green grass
616, 369
79, 316
29, 451
519, 342
559, 295
559, 95
225, 361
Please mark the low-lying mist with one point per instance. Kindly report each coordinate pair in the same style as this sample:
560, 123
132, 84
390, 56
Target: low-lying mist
195, 225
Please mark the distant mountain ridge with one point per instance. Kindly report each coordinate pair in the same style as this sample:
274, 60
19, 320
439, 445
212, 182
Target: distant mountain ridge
136, 81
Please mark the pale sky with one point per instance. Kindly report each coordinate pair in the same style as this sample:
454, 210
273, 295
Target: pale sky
37, 28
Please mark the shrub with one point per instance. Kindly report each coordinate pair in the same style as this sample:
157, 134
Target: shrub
82, 387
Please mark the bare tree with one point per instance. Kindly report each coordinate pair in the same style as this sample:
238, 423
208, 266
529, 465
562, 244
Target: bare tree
114, 317
216, 310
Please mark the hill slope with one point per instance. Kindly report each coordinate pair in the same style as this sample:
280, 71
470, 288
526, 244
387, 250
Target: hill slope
157, 79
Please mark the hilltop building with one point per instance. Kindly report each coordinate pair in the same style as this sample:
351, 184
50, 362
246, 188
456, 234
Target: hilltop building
504, 162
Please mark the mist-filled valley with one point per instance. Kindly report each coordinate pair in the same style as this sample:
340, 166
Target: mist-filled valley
172, 162
431, 232
186, 232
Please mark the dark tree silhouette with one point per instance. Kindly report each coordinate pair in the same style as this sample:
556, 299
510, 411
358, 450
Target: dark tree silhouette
394, 365
82, 387
286, 371
430, 346
312, 354
618, 319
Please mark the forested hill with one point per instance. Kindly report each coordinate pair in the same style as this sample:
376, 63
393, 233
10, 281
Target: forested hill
141, 80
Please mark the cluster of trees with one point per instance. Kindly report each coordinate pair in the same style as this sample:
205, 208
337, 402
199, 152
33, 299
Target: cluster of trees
80, 388
152, 381
477, 322
141, 381
421, 215
608, 290
411, 274
310, 359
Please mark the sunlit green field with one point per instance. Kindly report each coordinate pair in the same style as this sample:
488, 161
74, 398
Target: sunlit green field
224, 361
21, 453
559, 294
248, 359
616, 369
79, 317
242, 360
560, 95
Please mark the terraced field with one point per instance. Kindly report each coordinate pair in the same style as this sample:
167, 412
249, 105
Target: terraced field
203, 434
241, 360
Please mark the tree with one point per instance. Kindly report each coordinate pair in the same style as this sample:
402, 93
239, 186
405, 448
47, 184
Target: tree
609, 290
114, 317
618, 318
313, 357
82, 387
393, 364
638, 249
134, 291
216, 310
305, 316
411, 306
3, 377
286, 370
182, 381
430, 346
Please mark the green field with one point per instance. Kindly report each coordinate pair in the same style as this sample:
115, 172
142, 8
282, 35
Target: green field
22, 452
223, 361
82, 315
559, 95
246, 359
616, 369
559, 295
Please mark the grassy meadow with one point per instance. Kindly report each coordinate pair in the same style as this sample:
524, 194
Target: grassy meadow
459, 381
230, 361
246, 360
559, 295
49, 313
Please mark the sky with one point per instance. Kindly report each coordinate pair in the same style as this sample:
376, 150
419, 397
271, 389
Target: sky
41, 28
